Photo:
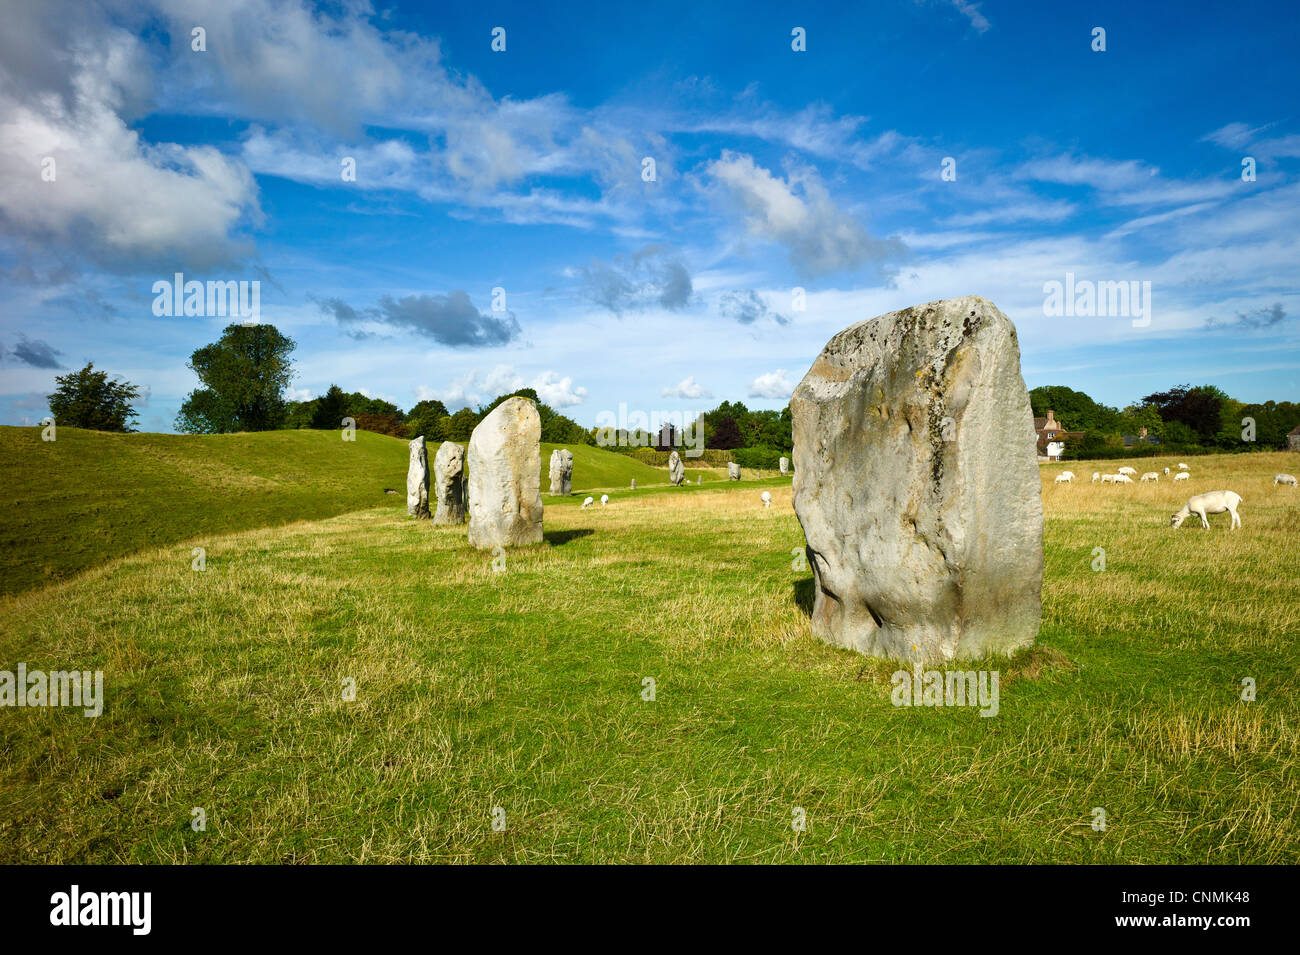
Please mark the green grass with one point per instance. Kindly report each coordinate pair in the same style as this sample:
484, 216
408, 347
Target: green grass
523, 689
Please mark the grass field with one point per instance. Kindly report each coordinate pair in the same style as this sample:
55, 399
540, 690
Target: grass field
90, 496
523, 689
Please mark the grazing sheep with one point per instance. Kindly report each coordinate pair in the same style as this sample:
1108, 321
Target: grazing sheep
1095, 477
1183, 467
588, 502
766, 498
604, 499
1126, 470
1287, 479
1123, 479
1166, 472
1182, 476
1150, 476
1062, 478
1068, 475
1109, 478
1213, 502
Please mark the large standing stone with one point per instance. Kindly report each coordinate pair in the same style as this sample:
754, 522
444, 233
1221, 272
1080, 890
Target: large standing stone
785, 465
417, 480
449, 483
916, 483
733, 470
561, 471
505, 477
676, 470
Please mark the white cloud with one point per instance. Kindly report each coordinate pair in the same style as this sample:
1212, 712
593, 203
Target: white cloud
558, 392
775, 384
687, 388
476, 387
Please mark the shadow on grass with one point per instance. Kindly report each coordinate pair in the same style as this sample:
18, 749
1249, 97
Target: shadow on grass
803, 595
560, 538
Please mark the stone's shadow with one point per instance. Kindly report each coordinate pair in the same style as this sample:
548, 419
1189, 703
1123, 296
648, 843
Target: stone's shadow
804, 595
560, 538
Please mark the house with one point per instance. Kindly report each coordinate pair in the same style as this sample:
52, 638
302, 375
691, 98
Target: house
1133, 440
1052, 437
1293, 439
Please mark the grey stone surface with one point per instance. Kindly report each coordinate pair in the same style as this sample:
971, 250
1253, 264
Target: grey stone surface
449, 483
785, 465
417, 480
561, 471
634, 484
733, 470
916, 484
505, 476
676, 470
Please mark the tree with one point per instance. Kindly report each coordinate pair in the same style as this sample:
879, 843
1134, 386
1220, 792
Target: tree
1198, 408
331, 409
244, 376
425, 419
89, 399
1074, 409
726, 435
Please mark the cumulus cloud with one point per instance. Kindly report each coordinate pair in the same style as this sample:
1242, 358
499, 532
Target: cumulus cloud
774, 384
450, 319
799, 214
34, 352
747, 308
477, 387
687, 388
651, 276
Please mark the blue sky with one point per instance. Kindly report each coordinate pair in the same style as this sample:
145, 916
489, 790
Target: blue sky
522, 170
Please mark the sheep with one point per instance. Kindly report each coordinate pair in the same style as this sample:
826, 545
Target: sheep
766, 498
1127, 470
588, 502
1151, 476
1123, 479
1182, 476
1213, 502
1166, 472
1183, 467
1062, 478
1068, 475
604, 499
1095, 477
1287, 479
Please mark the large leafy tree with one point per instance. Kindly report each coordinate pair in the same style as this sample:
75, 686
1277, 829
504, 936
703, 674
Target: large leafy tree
244, 376
1074, 409
90, 399
1199, 408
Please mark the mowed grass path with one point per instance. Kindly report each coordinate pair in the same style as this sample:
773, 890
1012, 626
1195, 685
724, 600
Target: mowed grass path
523, 689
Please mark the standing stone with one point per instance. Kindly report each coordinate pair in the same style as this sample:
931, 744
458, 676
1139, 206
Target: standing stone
634, 484
676, 470
417, 480
733, 470
916, 487
449, 483
505, 477
561, 471
785, 465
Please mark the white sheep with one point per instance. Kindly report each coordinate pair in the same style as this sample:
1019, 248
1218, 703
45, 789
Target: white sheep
1062, 478
1182, 476
588, 502
1183, 467
1166, 472
1095, 477
1123, 479
1213, 502
1151, 476
1068, 475
1127, 470
1287, 479
766, 498
604, 499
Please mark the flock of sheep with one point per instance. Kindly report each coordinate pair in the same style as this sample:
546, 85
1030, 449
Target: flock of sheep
1213, 502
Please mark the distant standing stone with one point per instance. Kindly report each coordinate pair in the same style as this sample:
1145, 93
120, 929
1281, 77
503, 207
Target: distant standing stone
634, 484
449, 483
676, 470
916, 487
785, 465
561, 471
505, 477
417, 480
733, 470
